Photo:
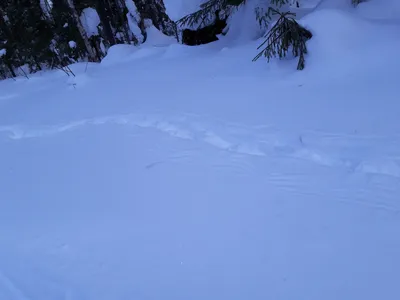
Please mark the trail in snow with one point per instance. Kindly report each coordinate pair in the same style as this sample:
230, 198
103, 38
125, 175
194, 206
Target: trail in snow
134, 206
367, 154
350, 154
9, 290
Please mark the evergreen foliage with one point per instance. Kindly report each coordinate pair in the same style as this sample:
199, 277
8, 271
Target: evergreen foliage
205, 16
205, 34
356, 2
41, 34
265, 13
284, 36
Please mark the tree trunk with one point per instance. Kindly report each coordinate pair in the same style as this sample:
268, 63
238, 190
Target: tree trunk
7, 33
105, 12
4, 27
156, 12
123, 18
75, 15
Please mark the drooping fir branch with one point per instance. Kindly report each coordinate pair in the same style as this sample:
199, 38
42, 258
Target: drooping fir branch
264, 13
206, 14
203, 15
286, 34
356, 2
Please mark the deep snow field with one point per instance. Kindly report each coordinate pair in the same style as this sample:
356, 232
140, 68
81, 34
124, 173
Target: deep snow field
170, 172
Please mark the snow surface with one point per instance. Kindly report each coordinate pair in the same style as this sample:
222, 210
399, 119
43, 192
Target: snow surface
174, 172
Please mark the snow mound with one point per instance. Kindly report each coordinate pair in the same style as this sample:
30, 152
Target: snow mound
155, 44
382, 9
120, 50
118, 54
78, 81
334, 4
342, 41
176, 51
157, 38
124, 53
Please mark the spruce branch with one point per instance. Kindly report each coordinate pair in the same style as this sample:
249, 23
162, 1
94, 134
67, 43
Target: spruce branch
206, 14
264, 13
356, 2
286, 34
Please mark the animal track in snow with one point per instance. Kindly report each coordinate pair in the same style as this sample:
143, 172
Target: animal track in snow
10, 290
7, 97
257, 141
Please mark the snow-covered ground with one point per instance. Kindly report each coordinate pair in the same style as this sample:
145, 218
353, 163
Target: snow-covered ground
173, 172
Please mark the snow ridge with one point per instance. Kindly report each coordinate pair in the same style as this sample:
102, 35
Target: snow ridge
263, 140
